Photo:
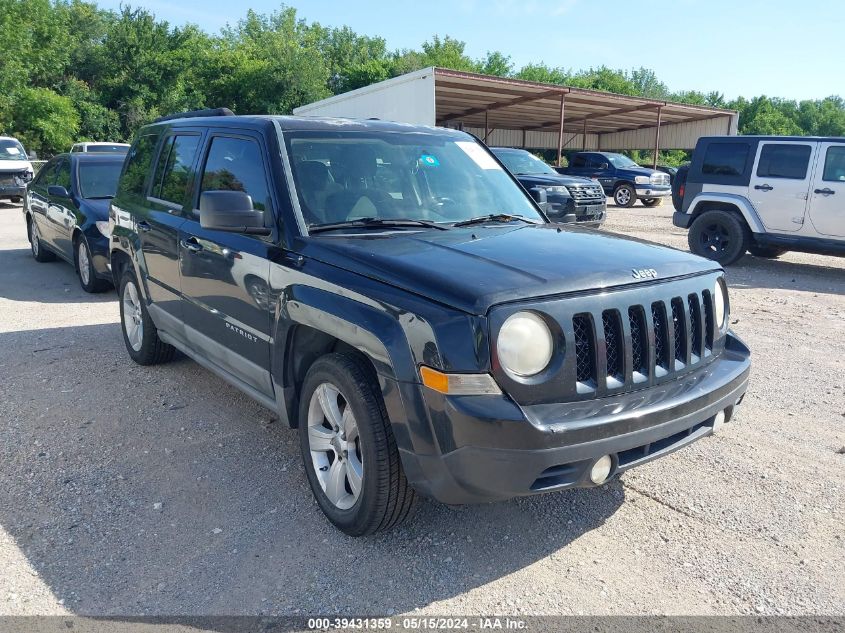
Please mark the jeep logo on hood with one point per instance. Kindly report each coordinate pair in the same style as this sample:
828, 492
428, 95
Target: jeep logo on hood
644, 273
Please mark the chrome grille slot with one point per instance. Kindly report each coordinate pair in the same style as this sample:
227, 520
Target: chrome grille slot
661, 338
585, 351
679, 324
639, 343
614, 343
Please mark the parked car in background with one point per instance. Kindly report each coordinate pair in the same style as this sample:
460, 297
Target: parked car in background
420, 321
763, 194
666, 169
15, 169
568, 198
101, 148
620, 177
67, 214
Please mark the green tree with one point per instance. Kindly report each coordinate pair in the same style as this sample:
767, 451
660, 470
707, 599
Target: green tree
45, 121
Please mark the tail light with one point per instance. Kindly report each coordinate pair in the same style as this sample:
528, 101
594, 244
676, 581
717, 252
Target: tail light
681, 189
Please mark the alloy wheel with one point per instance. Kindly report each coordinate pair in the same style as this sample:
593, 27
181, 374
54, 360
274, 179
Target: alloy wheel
715, 238
83, 263
133, 323
623, 197
335, 446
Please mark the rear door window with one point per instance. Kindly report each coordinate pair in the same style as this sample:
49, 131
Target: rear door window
784, 160
174, 174
725, 159
579, 161
63, 174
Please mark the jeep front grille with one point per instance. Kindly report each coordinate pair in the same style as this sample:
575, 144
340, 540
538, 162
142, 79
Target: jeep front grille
622, 340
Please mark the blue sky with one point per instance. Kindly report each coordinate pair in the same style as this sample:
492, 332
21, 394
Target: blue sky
741, 47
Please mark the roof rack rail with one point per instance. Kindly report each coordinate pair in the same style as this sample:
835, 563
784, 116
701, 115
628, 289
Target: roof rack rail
196, 113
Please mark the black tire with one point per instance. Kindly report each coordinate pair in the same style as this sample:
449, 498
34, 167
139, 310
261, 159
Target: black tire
385, 499
39, 252
148, 349
625, 196
16, 199
93, 283
718, 235
768, 252
651, 202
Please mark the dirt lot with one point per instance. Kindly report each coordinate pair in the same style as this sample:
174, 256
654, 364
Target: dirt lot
131, 490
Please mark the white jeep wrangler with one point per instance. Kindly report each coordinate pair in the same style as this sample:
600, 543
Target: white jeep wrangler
763, 194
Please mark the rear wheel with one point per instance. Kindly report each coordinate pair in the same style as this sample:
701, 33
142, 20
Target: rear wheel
348, 448
139, 331
769, 252
39, 253
16, 199
624, 196
718, 235
651, 202
85, 269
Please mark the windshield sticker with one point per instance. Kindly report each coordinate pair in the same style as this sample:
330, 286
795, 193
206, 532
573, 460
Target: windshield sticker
429, 161
478, 155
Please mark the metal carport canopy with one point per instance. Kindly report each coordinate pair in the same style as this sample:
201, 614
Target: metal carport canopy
518, 113
522, 113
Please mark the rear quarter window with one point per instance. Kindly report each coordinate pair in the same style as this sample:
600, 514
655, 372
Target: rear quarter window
725, 159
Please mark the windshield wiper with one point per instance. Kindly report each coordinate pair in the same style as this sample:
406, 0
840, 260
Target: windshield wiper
376, 223
494, 217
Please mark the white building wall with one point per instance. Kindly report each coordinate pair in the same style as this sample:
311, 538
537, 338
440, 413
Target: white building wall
672, 136
407, 99
534, 139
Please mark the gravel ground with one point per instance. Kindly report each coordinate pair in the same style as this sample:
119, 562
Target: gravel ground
131, 490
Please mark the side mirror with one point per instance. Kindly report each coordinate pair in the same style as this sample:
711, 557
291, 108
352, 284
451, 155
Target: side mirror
604, 166
231, 211
57, 191
32, 156
540, 197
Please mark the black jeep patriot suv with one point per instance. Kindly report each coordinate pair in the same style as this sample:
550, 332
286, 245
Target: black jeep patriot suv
393, 292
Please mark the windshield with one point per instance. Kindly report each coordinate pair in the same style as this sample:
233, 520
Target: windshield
99, 180
343, 176
618, 160
524, 163
11, 149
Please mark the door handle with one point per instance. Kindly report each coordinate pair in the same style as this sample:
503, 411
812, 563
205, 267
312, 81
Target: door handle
764, 187
827, 191
191, 245
144, 226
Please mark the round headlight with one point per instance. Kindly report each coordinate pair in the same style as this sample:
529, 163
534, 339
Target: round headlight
719, 304
525, 344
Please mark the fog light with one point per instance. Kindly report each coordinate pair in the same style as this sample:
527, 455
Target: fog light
719, 421
601, 469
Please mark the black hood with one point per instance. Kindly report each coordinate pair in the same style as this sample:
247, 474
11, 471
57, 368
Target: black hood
551, 180
474, 268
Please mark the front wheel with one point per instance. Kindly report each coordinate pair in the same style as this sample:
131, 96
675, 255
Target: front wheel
39, 253
85, 269
624, 196
718, 235
651, 202
139, 332
16, 199
348, 448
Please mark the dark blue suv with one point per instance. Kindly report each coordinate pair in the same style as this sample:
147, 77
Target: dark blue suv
621, 177
393, 292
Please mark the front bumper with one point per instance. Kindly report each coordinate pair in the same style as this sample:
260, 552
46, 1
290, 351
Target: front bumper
566, 210
492, 449
99, 246
12, 191
653, 192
